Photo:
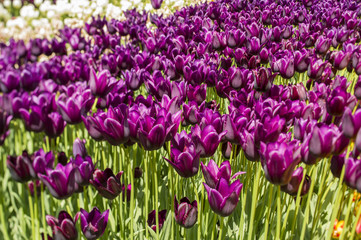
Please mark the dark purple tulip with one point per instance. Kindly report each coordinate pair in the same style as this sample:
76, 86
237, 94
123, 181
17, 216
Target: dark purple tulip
191, 113
337, 162
263, 79
161, 219
353, 173
340, 59
185, 212
301, 60
316, 68
62, 158
138, 172
33, 186
321, 144
287, 67
294, 184
5, 119
42, 161
337, 101
238, 77
249, 146
184, 158
34, 120
85, 169
357, 90
351, 123
227, 149
358, 141
20, 167
114, 125
224, 198
9, 82
197, 94
127, 192
212, 173
253, 45
322, 44
206, 140
63, 227
302, 128
269, 130
79, 148
93, 127
152, 132
60, 181
102, 84
54, 125
93, 224
107, 184
279, 161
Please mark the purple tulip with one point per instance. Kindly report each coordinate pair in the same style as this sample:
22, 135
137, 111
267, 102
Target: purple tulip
79, 148
279, 161
34, 120
185, 212
93, 224
63, 227
227, 149
161, 219
353, 173
4, 125
54, 125
322, 44
337, 101
249, 146
107, 184
184, 158
263, 79
34, 186
42, 161
292, 187
20, 167
62, 158
197, 94
85, 169
320, 144
224, 198
301, 60
152, 132
138, 172
337, 162
351, 123
357, 89
206, 140
340, 59
61, 181
316, 68
212, 173
100, 85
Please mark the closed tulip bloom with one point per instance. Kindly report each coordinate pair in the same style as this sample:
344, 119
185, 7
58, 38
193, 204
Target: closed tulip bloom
206, 140
191, 113
279, 161
197, 94
337, 101
107, 184
85, 169
63, 227
94, 223
322, 44
357, 89
224, 198
61, 181
161, 219
79, 148
320, 144
92, 125
152, 132
340, 59
337, 162
351, 123
34, 186
316, 68
353, 173
249, 146
301, 60
20, 167
292, 187
263, 79
34, 120
184, 158
185, 212
227, 149
42, 161
287, 67
54, 125
5, 119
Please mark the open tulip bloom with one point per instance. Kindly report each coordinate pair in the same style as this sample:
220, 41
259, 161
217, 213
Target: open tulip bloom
93, 224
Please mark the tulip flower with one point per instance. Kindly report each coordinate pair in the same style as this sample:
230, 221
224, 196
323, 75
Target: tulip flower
54, 125
224, 198
152, 221
63, 227
212, 173
316, 68
321, 141
185, 212
295, 182
184, 158
93, 224
337, 162
85, 169
62, 158
206, 140
102, 84
337, 228
79, 148
337, 101
263, 79
34, 120
279, 161
20, 167
357, 89
107, 184
34, 187
138, 172
42, 161
61, 181
353, 173
5, 119
351, 123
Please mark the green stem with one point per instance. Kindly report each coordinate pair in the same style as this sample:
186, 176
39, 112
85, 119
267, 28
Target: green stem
254, 199
221, 219
146, 193
43, 210
269, 206
279, 211
199, 210
343, 233
154, 164
358, 214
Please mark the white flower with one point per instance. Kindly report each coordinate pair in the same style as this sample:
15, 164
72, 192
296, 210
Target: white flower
7, 3
17, 3
18, 22
29, 11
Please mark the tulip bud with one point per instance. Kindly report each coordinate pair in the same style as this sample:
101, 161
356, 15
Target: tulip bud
294, 184
185, 212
